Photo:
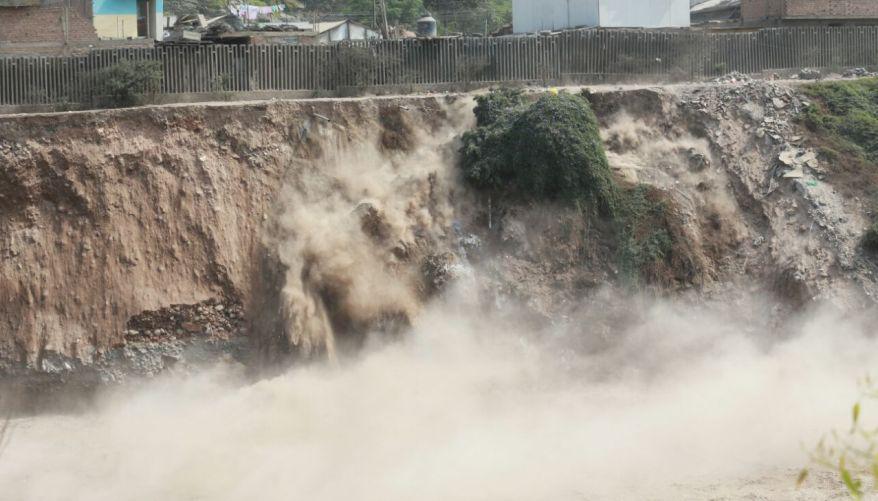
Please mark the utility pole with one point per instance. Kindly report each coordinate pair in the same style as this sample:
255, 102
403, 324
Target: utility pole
385, 30
67, 23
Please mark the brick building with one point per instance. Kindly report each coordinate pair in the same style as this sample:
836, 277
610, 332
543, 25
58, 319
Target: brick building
55, 26
809, 11
47, 23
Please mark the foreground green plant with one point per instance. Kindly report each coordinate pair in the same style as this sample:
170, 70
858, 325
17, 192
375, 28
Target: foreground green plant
853, 455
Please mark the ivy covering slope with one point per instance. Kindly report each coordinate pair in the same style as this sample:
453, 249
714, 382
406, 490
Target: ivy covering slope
550, 151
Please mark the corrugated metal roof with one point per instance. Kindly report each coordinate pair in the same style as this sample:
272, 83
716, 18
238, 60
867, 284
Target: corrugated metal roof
711, 5
20, 3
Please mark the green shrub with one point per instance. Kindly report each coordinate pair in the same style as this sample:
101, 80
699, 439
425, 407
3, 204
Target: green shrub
645, 240
127, 83
550, 150
491, 106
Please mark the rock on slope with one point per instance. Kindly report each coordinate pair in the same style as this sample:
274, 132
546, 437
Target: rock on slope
749, 183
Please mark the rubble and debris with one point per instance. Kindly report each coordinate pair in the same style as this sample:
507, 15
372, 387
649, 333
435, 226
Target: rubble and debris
788, 157
799, 158
809, 74
697, 161
857, 73
768, 152
469, 246
794, 173
733, 77
373, 221
769, 104
196, 28
439, 270
209, 318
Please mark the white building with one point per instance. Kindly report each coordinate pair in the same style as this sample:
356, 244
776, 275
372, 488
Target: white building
529, 16
334, 31
337, 31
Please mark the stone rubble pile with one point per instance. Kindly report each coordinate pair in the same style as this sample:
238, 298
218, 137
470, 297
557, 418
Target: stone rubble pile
177, 338
858, 73
732, 78
795, 160
769, 111
210, 318
769, 105
809, 74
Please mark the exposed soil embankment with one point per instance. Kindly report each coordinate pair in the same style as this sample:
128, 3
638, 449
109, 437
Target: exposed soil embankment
144, 240
107, 215
536, 347
752, 188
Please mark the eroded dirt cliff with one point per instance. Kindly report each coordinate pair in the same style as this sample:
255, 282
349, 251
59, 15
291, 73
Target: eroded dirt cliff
141, 240
108, 215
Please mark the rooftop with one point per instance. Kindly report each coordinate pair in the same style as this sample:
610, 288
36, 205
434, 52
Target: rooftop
712, 5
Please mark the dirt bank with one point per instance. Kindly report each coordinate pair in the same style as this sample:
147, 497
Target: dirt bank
107, 215
141, 240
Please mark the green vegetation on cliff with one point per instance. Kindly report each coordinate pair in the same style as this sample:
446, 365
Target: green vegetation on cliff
844, 121
491, 107
847, 113
550, 151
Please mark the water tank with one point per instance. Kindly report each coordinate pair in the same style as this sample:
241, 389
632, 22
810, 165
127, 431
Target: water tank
427, 27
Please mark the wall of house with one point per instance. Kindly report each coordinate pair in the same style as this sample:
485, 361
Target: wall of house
757, 10
361, 32
644, 13
339, 33
54, 24
530, 16
156, 19
832, 9
346, 31
115, 18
